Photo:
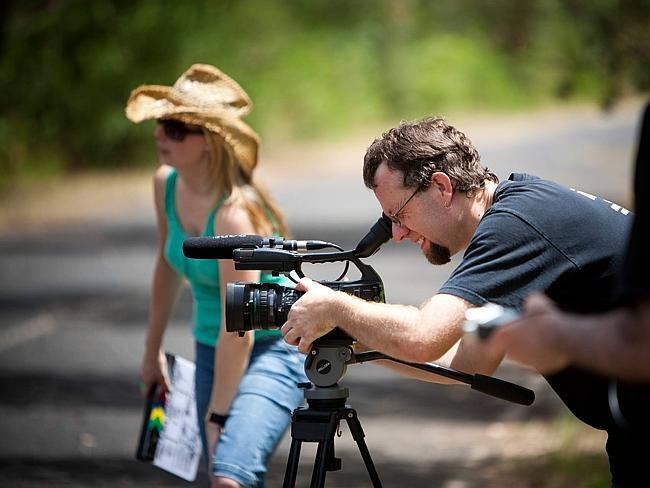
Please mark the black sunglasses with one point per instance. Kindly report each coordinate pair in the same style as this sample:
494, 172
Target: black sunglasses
177, 130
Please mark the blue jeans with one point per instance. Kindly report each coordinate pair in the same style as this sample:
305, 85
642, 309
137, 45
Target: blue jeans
260, 412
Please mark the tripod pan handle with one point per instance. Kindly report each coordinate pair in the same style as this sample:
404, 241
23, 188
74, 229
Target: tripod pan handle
502, 389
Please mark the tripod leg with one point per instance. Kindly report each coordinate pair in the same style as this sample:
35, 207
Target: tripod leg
325, 458
320, 464
358, 435
292, 464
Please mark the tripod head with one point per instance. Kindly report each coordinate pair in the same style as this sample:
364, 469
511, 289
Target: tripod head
327, 362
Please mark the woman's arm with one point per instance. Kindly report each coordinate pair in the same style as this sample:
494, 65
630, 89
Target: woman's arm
232, 352
164, 292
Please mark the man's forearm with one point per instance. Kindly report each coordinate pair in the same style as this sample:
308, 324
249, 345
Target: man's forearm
400, 331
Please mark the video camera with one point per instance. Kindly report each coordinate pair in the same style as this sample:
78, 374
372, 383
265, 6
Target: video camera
254, 306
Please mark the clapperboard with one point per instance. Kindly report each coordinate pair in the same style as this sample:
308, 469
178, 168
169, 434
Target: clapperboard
170, 437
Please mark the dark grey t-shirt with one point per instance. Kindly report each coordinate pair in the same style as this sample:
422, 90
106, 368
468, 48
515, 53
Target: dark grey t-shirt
540, 236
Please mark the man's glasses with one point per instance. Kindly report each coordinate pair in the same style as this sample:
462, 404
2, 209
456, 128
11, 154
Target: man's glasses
177, 130
395, 218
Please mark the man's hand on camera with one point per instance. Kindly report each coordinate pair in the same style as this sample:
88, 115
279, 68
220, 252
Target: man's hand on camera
312, 316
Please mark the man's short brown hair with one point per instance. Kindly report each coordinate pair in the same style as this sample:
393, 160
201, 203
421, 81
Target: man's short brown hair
419, 149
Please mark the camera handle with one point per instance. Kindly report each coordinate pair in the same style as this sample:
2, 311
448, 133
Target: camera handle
485, 384
327, 361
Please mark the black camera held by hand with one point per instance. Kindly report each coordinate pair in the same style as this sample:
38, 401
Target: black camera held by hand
252, 306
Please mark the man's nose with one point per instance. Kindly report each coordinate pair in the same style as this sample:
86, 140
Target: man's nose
399, 232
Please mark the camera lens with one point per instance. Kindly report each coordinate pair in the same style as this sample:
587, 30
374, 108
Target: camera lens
255, 306
234, 297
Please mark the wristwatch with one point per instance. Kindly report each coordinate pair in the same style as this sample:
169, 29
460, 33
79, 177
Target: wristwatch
218, 419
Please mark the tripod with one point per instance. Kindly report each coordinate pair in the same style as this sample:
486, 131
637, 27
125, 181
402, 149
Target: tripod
325, 364
318, 422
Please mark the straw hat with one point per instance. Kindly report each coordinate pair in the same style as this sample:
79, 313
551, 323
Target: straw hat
206, 97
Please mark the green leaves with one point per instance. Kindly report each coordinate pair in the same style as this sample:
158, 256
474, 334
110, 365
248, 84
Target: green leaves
312, 67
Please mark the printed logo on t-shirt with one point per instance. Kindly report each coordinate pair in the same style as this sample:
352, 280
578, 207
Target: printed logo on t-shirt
615, 207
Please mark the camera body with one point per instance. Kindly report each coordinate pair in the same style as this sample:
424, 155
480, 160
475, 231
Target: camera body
255, 306
263, 306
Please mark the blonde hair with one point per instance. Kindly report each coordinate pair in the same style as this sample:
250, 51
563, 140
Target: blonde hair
239, 188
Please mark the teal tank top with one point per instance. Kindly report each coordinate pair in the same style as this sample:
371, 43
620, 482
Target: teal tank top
202, 274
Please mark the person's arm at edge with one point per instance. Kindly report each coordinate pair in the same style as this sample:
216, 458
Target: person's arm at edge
614, 344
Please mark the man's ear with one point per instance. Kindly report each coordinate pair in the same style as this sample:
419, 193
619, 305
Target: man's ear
441, 183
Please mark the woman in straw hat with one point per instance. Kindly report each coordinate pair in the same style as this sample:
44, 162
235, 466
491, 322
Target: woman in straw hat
245, 387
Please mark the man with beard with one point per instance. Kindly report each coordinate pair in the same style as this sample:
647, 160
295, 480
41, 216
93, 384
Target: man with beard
519, 236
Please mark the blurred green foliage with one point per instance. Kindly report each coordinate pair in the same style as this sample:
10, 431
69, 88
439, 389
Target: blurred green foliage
556, 470
312, 67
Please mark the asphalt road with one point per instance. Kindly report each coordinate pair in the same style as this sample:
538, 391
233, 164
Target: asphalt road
73, 307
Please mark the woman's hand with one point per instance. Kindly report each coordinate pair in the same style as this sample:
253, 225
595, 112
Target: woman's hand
212, 434
154, 371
